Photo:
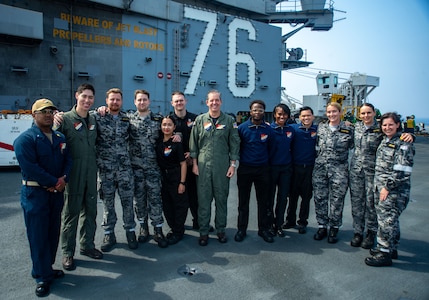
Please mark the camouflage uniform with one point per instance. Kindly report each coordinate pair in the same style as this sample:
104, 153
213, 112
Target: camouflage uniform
362, 177
115, 171
330, 175
392, 171
145, 131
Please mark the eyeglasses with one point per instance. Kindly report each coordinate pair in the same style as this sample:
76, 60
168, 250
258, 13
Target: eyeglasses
45, 112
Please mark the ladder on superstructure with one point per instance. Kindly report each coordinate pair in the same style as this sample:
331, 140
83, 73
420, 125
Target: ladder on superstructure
176, 60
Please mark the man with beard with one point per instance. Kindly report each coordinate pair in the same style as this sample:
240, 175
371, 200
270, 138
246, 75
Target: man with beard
145, 131
114, 164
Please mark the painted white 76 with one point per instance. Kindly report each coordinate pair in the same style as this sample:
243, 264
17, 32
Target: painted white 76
234, 56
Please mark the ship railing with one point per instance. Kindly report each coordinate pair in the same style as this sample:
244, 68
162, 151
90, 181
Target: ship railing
304, 5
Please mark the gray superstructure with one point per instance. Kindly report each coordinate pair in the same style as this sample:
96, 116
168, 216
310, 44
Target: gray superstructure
48, 48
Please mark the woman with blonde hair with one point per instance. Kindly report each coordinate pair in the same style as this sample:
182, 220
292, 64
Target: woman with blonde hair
331, 172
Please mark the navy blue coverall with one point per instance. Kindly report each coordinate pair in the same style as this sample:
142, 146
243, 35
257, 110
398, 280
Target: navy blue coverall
42, 163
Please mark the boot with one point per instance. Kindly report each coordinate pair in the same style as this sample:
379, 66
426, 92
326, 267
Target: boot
159, 237
321, 234
368, 242
144, 233
131, 239
272, 231
332, 238
375, 251
380, 259
109, 241
356, 240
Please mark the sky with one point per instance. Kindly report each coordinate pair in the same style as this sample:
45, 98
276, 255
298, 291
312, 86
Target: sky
384, 38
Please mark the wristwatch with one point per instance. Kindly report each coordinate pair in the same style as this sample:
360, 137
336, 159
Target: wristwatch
233, 165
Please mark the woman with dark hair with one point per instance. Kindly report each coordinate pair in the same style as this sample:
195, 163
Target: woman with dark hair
367, 138
280, 167
172, 162
393, 167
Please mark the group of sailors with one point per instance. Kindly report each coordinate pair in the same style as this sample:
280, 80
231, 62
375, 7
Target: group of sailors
161, 166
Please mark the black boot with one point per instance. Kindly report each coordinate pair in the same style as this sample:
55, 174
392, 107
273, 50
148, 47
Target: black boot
332, 238
109, 241
144, 233
356, 240
131, 239
394, 254
159, 237
321, 234
380, 259
369, 240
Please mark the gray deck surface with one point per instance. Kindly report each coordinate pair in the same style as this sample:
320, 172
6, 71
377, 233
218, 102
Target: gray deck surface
294, 267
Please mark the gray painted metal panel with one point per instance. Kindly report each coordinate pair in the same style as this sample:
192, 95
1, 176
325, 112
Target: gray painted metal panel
163, 9
20, 22
257, 6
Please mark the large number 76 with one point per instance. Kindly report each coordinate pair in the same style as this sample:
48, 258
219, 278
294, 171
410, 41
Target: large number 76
234, 56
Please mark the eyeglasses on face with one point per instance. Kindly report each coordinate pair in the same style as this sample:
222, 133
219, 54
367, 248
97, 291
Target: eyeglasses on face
45, 112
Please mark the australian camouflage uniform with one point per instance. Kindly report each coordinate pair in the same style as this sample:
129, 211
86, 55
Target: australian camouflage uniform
330, 175
145, 131
362, 168
115, 171
392, 171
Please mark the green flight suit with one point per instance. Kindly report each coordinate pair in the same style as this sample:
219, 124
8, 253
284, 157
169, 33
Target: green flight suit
80, 205
214, 145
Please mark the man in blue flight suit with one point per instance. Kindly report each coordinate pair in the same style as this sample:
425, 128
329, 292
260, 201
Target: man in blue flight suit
45, 166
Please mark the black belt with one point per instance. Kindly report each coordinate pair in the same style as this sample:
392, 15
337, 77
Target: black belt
169, 170
304, 165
